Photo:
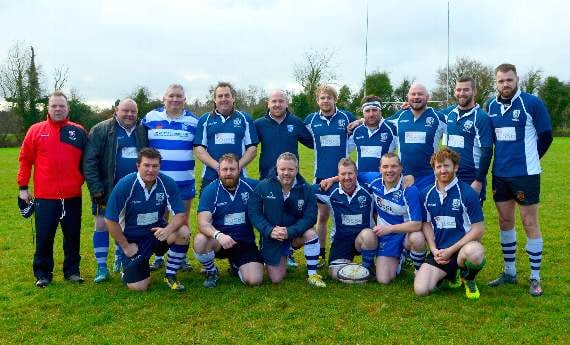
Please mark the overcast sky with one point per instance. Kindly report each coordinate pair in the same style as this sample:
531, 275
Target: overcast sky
113, 46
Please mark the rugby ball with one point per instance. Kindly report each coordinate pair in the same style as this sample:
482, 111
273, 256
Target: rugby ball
353, 274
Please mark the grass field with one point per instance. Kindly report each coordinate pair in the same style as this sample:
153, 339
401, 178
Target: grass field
292, 312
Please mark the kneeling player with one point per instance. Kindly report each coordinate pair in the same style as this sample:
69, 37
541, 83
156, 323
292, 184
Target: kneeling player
399, 218
453, 228
225, 229
134, 217
351, 206
283, 208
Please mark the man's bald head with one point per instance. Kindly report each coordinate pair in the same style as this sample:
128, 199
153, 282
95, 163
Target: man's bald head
277, 103
126, 113
418, 97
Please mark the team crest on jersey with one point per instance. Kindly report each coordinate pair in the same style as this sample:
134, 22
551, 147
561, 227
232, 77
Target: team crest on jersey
383, 137
467, 125
237, 122
159, 198
362, 201
342, 123
300, 204
429, 121
516, 114
184, 127
270, 196
397, 194
455, 204
290, 128
72, 134
245, 197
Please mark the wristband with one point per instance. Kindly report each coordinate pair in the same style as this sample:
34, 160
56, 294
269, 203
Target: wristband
217, 234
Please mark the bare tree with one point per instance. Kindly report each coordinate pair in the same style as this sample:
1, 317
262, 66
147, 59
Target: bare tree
532, 81
317, 69
60, 76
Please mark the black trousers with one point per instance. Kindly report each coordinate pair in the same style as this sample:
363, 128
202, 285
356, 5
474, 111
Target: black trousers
49, 214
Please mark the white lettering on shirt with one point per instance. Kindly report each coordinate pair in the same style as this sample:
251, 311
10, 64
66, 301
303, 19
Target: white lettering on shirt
445, 222
506, 134
224, 138
129, 152
234, 218
415, 138
456, 141
147, 218
330, 140
370, 151
351, 219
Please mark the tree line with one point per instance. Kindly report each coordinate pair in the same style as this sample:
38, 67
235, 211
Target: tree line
25, 92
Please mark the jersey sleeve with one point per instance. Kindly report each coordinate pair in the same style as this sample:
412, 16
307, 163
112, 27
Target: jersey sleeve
322, 195
442, 126
117, 200
176, 203
27, 158
201, 139
540, 117
366, 178
255, 212
484, 128
473, 206
250, 138
207, 200
412, 196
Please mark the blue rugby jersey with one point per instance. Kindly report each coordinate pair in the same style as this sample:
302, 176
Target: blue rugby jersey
330, 140
173, 138
466, 135
418, 139
394, 206
276, 138
137, 210
350, 214
229, 211
515, 133
221, 135
372, 144
451, 214
126, 158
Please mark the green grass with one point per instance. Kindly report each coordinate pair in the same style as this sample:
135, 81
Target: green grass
292, 312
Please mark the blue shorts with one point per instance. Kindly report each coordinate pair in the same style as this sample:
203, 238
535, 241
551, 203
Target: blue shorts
136, 267
240, 254
390, 245
343, 249
187, 192
525, 190
421, 182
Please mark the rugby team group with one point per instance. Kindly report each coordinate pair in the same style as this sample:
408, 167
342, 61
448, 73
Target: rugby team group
414, 193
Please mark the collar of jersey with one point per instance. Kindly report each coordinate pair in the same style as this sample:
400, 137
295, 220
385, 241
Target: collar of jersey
126, 130
341, 191
452, 184
393, 189
232, 196
328, 118
472, 111
222, 117
517, 94
146, 192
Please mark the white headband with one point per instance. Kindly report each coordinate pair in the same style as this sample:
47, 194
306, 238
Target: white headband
374, 104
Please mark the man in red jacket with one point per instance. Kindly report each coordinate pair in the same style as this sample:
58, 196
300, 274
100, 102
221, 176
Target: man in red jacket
54, 147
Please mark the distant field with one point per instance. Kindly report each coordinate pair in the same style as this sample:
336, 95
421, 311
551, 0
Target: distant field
292, 312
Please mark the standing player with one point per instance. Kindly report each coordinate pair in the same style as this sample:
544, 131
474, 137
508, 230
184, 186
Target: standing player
135, 219
453, 228
283, 209
54, 148
374, 137
225, 228
224, 130
280, 131
469, 134
110, 155
523, 134
399, 218
352, 209
419, 131
328, 127
171, 130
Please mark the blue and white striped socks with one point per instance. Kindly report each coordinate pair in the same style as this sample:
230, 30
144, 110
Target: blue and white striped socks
176, 255
101, 246
534, 251
509, 248
312, 250
207, 260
